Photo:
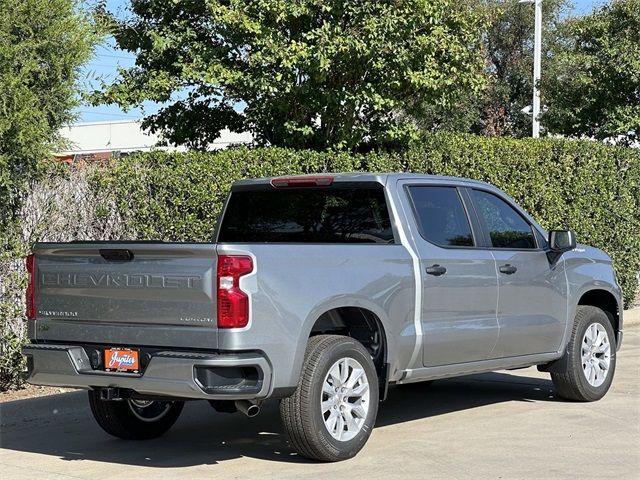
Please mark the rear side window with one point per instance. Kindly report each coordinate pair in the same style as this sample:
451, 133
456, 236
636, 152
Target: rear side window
308, 215
505, 225
441, 217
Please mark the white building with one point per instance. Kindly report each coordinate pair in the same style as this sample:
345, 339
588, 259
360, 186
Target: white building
104, 139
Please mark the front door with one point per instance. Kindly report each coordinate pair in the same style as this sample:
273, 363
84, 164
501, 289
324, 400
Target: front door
459, 281
532, 305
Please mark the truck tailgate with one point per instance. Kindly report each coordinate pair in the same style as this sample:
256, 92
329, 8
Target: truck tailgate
159, 290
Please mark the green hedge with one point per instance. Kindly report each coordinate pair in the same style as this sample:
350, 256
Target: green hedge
589, 187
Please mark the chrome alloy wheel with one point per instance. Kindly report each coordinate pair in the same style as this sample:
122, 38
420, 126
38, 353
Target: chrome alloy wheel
148, 410
345, 399
596, 354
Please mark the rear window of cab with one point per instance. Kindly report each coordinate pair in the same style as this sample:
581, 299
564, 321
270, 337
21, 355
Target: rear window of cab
336, 214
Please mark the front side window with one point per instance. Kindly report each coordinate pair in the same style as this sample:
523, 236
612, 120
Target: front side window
506, 227
441, 217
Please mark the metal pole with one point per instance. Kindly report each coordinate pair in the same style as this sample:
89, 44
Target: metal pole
537, 54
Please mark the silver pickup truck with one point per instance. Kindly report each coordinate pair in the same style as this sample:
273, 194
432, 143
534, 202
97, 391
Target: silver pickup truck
321, 291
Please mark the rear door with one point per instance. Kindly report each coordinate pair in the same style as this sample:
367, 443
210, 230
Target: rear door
460, 287
532, 304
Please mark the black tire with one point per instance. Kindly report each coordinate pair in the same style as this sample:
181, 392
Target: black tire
117, 417
571, 382
301, 413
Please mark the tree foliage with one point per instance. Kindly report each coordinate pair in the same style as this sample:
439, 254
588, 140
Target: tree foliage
593, 88
308, 73
592, 188
510, 57
507, 46
42, 45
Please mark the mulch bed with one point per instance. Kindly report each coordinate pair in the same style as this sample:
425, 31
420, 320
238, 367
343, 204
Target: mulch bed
31, 391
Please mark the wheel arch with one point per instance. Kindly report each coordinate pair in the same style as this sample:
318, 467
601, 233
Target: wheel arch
605, 301
347, 316
595, 295
360, 323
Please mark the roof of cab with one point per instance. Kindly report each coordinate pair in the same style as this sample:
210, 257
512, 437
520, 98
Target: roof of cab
385, 178
382, 178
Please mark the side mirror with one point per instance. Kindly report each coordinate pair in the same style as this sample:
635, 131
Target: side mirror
561, 241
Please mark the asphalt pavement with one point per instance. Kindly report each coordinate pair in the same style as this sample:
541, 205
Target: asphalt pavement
503, 425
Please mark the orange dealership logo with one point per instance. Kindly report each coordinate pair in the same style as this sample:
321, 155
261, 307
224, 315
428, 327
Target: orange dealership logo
121, 360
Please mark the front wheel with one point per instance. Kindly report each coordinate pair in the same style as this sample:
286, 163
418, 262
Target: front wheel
133, 419
590, 358
333, 410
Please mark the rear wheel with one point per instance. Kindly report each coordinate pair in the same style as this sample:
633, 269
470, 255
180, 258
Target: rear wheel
133, 419
333, 410
590, 357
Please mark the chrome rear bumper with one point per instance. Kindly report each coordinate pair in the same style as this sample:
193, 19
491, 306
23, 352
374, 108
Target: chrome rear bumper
169, 373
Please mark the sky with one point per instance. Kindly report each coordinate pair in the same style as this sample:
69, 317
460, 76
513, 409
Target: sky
104, 67
107, 59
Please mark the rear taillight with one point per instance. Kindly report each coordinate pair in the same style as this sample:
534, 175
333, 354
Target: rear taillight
31, 288
233, 303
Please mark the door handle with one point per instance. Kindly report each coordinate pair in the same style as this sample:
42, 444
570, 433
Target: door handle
436, 270
508, 269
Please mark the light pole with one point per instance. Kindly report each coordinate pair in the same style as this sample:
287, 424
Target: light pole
537, 57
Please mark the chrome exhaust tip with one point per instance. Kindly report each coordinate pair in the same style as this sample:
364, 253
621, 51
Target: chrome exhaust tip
250, 409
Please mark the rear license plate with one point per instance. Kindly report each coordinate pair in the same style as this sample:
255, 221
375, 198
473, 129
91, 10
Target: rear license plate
121, 360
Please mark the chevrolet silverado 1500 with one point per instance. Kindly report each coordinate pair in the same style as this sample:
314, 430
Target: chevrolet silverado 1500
321, 291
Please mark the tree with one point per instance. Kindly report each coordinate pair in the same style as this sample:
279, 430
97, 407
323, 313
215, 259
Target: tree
306, 74
510, 55
508, 49
42, 45
594, 87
